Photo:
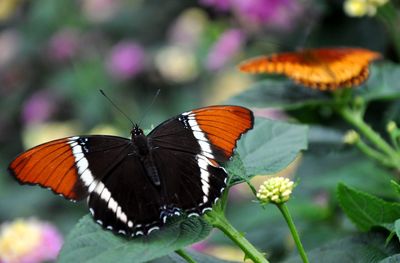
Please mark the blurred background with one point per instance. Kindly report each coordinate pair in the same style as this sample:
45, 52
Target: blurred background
56, 55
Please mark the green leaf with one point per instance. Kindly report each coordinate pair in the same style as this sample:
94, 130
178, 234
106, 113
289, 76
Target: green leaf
381, 83
268, 148
395, 186
365, 248
397, 228
283, 94
196, 256
366, 210
391, 259
88, 242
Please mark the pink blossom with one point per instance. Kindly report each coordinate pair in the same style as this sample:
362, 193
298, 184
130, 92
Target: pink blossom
38, 108
220, 5
228, 45
272, 13
63, 45
271, 113
125, 60
29, 241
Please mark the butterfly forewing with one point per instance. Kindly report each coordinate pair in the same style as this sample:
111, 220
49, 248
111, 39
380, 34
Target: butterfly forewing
69, 166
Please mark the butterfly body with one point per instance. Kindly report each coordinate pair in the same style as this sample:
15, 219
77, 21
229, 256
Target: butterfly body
133, 185
321, 68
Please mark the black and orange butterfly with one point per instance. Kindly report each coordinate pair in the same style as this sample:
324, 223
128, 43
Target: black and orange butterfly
320, 68
133, 185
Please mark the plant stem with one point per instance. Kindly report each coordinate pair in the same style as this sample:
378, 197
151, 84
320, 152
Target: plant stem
356, 120
185, 256
372, 153
388, 15
285, 212
218, 220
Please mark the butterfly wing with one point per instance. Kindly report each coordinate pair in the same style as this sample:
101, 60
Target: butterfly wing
323, 68
189, 149
70, 166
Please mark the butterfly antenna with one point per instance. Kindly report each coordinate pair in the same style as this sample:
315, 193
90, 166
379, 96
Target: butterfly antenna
150, 105
112, 103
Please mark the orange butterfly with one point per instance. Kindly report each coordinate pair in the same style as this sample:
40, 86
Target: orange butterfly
321, 68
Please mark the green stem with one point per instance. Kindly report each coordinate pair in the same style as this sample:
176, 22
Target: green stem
285, 212
372, 153
388, 15
185, 255
218, 220
357, 121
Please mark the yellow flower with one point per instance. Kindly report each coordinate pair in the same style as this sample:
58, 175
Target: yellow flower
358, 8
7, 8
29, 240
18, 238
275, 190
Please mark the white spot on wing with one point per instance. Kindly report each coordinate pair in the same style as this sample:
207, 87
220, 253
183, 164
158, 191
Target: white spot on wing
152, 229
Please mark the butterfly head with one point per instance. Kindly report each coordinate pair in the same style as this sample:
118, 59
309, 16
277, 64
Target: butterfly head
136, 131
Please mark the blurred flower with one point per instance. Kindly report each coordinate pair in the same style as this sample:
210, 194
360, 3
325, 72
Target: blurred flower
391, 127
228, 45
7, 8
275, 190
9, 46
176, 64
358, 8
271, 113
187, 29
105, 129
29, 241
38, 108
125, 60
351, 137
220, 5
274, 13
200, 246
38, 133
63, 45
100, 10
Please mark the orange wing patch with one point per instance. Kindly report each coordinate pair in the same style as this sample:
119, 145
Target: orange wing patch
50, 165
224, 125
322, 68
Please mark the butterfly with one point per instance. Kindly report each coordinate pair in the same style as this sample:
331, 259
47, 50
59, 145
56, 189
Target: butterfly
320, 68
133, 185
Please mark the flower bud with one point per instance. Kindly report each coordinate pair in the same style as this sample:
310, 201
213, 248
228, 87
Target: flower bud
351, 137
391, 127
275, 190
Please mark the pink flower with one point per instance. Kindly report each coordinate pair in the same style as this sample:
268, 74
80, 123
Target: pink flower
29, 241
126, 59
228, 45
38, 108
63, 45
273, 13
220, 5
271, 113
